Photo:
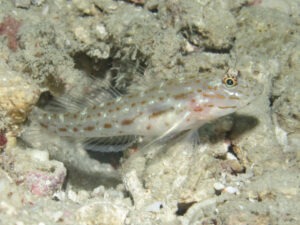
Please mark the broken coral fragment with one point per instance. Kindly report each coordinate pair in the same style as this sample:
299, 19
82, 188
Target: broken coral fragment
17, 95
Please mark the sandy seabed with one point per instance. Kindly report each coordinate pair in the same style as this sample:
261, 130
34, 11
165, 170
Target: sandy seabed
245, 169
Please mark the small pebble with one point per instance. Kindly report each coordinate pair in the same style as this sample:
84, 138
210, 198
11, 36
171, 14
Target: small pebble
154, 207
231, 190
41, 156
22, 3
37, 2
230, 156
219, 186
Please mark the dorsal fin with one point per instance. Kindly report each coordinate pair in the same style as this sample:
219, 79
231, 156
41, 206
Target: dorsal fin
97, 92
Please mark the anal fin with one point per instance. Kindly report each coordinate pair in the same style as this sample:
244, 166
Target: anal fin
109, 144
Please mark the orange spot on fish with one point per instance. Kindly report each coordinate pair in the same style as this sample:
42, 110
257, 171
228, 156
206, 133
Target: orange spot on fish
181, 96
220, 96
75, 129
212, 88
198, 109
213, 95
127, 121
234, 98
227, 107
89, 128
158, 113
62, 129
208, 95
107, 125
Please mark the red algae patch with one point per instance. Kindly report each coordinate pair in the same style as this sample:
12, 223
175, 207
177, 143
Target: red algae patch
9, 28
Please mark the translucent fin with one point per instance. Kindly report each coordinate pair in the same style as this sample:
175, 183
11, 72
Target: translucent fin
191, 136
35, 114
97, 92
169, 134
188, 136
34, 133
170, 137
62, 104
109, 144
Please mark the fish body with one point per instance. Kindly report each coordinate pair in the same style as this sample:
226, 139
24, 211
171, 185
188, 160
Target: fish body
167, 107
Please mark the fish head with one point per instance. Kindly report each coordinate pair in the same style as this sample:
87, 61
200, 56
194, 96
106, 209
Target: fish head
224, 95
238, 89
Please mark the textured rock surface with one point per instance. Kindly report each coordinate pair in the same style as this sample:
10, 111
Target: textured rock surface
17, 96
245, 169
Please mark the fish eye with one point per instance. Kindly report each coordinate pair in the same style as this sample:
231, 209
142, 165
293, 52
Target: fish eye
230, 80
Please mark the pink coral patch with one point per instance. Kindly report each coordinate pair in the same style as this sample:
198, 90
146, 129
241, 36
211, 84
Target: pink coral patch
42, 184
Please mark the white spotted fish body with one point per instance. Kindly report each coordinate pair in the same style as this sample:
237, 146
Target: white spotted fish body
169, 107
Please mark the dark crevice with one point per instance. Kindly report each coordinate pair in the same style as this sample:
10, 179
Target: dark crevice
204, 70
90, 66
112, 158
217, 50
44, 99
182, 207
153, 10
272, 99
200, 40
136, 3
99, 8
